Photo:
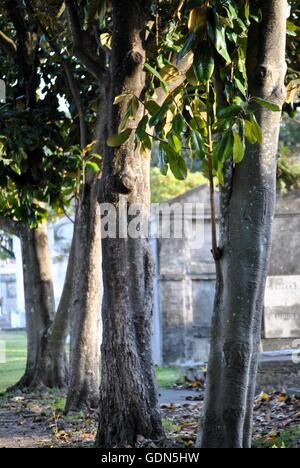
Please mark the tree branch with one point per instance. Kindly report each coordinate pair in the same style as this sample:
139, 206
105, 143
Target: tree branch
68, 74
7, 44
10, 226
83, 44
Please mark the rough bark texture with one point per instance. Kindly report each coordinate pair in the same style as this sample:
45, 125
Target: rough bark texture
247, 211
39, 303
84, 382
128, 400
47, 364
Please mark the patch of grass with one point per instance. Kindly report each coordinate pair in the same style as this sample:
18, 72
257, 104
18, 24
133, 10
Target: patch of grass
287, 439
15, 356
167, 377
170, 426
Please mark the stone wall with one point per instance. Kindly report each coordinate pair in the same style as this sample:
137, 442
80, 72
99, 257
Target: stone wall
187, 284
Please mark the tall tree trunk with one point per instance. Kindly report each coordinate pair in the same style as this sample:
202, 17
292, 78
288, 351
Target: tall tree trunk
47, 364
60, 328
39, 301
83, 391
128, 400
247, 212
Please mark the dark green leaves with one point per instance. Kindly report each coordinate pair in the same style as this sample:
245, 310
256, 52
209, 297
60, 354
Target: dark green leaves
189, 43
267, 104
178, 167
223, 148
204, 63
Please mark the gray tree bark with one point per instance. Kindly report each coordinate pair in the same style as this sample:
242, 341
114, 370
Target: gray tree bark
247, 212
128, 399
47, 364
83, 390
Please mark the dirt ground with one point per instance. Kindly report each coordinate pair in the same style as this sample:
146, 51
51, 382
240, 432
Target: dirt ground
37, 421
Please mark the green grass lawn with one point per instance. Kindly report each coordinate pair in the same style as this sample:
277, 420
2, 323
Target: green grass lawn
15, 355
15, 346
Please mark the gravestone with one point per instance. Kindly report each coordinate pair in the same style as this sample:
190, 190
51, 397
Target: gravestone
282, 307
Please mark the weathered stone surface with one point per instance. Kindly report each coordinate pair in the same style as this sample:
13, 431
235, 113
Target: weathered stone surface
282, 307
278, 371
187, 281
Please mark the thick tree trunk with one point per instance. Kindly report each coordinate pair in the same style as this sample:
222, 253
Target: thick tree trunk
247, 211
39, 302
128, 400
84, 382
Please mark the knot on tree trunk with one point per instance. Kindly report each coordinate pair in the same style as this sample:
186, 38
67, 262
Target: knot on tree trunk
124, 182
133, 59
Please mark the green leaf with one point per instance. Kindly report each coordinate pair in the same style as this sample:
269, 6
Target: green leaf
229, 111
187, 46
120, 98
220, 174
119, 139
238, 148
220, 43
256, 128
92, 166
178, 124
197, 144
158, 117
267, 104
204, 63
178, 167
223, 149
157, 75
152, 107
249, 132
175, 143
162, 156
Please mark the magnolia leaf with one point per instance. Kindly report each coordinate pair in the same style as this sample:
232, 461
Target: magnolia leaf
249, 133
238, 148
187, 46
92, 166
120, 98
178, 167
256, 128
157, 75
152, 107
204, 63
119, 139
223, 149
267, 104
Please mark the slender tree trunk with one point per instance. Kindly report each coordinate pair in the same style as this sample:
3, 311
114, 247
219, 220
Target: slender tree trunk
247, 212
128, 400
83, 391
60, 328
